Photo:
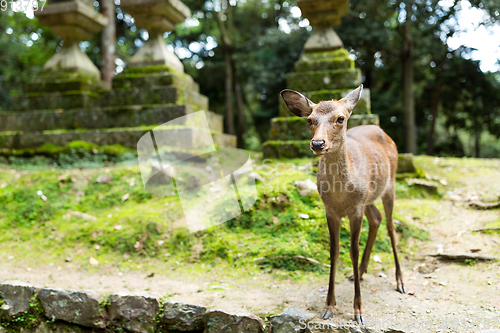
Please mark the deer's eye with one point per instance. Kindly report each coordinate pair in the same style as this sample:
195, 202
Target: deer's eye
340, 120
309, 120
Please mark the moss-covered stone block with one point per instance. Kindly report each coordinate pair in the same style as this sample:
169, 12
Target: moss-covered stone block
127, 137
133, 80
406, 163
154, 95
331, 60
57, 100
94, 118
363, 106
287, 149
295, 128
325, 79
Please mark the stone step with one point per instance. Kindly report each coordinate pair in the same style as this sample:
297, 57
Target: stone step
324, 79
287, 149
295, 128
154, 95
55, 100
363, 106
134, 80
88, 99
103, 117
127, 137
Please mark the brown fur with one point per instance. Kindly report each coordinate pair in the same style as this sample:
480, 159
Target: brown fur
357, 166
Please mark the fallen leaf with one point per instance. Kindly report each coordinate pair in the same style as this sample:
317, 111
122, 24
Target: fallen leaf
137, 245
95, 151
411, 293
79, 251
69, 259
117, 227
62, 177
28, 269
304, 216
3, 185
475, 250
60, 111
93, 262
150, 275
125, 197
376, 258
44, 198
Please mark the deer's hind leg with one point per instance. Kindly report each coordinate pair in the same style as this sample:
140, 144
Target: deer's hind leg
374, 218
388, 201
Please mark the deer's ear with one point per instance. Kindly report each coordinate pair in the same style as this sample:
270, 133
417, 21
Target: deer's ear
297, 103
352, 98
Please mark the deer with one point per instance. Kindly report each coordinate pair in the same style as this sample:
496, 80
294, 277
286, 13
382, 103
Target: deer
357, 166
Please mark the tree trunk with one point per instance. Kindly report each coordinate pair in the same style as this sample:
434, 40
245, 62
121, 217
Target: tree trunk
408, 97
477, 142
239, 106
435, 109
108, 40
228, 55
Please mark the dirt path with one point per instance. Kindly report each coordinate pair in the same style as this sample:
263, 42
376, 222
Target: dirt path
445, 297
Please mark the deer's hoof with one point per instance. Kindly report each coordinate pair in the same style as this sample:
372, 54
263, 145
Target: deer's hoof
351, 278
359, 320
401, 289
327, 314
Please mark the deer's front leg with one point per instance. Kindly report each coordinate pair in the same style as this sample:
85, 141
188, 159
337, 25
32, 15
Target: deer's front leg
334, 229
356, 221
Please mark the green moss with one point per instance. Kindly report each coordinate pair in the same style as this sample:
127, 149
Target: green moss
325, 79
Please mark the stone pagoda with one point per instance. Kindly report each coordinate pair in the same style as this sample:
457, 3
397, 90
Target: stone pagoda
323, 72
68, 102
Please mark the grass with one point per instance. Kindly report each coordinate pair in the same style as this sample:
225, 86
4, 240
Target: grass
148, 231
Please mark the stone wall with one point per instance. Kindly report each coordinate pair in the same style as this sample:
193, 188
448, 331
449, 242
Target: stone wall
25, 308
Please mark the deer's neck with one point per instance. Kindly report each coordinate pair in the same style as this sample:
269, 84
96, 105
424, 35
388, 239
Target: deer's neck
337, 165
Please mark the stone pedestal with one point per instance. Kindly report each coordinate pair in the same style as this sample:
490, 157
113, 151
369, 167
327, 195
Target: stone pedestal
157, 17
323, 72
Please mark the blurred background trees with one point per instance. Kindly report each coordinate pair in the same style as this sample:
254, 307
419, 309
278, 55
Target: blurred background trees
239, 52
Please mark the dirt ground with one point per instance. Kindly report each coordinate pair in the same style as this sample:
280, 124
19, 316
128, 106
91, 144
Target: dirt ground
443, 296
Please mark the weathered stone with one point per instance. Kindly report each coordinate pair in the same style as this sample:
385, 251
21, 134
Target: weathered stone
127, 137
82, 308
156, 17
290, 321
15, 297
218, 321
161, 77
323, 13
74, 21
56, 100
287, 149
155, 95
323, 39
135, 313
406, 163
326, 79
306, 188
428, 185
182, 317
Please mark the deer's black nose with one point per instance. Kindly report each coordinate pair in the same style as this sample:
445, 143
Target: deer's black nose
318, 145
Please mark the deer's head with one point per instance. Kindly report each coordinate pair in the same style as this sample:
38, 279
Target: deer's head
327, 120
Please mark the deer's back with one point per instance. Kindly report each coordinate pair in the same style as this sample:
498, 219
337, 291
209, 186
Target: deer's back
374, 154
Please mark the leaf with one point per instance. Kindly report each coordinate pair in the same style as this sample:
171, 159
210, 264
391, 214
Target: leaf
125, 197
93, 262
